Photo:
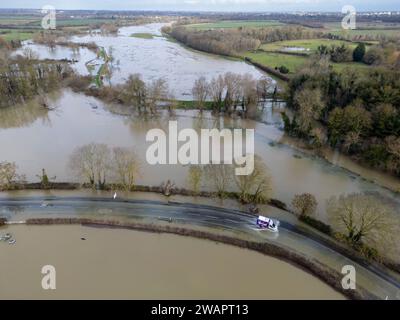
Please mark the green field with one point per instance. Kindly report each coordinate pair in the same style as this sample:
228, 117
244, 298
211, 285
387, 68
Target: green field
375, 32
235, 24
17, 20
188, 105
295, 63
275, 60
35, 21
142, 35
364, 29
359, 66
311, 44
9, 34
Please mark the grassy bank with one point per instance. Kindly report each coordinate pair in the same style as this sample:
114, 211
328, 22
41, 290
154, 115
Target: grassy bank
276, 60
192, 105
16, 34
310, 44
142, 35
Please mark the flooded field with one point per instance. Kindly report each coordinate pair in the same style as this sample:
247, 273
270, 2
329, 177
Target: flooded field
35, 138
124, 264
152, 58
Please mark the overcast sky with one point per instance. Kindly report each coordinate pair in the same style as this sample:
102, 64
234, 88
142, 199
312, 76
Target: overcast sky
211, 5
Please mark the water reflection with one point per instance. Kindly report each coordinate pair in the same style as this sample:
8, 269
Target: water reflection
23, 115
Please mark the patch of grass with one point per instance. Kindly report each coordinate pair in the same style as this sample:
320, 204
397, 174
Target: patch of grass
364, 29
359, 66
229, 24
352, 33
296, 63
142, 35
10, 34
75, 22
18, 20
184, 104
275, 60
310, 44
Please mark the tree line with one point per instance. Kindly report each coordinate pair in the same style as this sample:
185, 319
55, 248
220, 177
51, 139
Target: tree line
231, 91
384, 54
236, 40
24, 77
362, 221
356, 112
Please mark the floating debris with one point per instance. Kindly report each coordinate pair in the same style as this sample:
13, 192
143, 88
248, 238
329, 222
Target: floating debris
8, 238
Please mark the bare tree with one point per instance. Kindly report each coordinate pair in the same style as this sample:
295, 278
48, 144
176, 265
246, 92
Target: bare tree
255, 187
195, 177
264, 86
219, 176
157, 91
304, 204
9, 175
134, 92
363, 219
91, 163
232, 83
217, 87
249, 91
125, 165
200, 92
29, 54
310, 105
393, 147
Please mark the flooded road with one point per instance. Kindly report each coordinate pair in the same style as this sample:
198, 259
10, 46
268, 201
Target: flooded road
36, 138
380, 282
125, 264
48, 141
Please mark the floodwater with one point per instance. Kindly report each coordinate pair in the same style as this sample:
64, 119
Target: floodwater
222, 218
152, 58
48, 142
295, 49
36, 138
125, 264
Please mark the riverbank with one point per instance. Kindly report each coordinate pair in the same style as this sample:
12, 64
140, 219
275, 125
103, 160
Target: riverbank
128, 264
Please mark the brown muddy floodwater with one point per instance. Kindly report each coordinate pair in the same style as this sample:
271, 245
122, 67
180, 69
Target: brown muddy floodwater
125, 264
36, 139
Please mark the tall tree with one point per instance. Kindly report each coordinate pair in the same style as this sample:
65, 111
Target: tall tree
359, 52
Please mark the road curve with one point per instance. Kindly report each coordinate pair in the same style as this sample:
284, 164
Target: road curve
372, 277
